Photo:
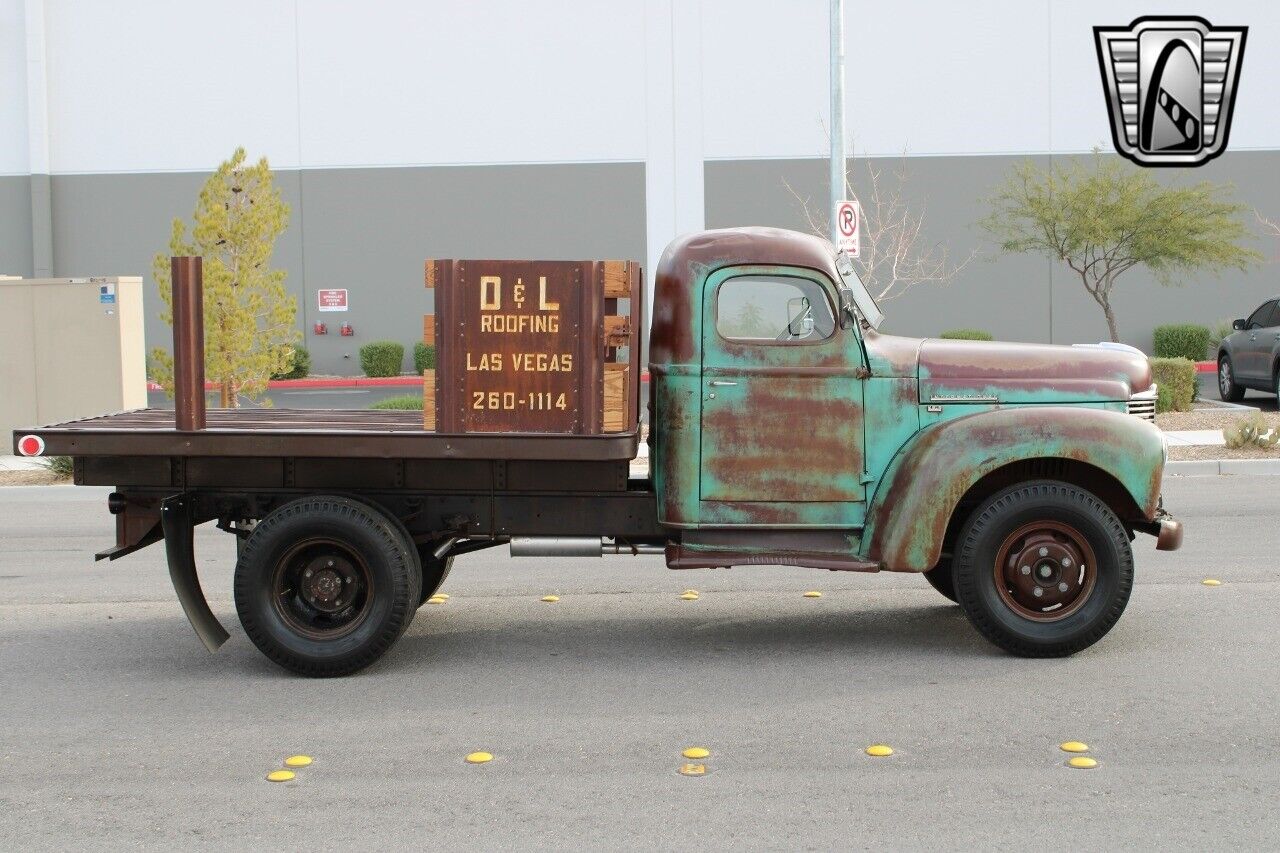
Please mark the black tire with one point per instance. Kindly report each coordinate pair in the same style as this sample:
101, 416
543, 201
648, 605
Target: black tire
434, 572
292, 621
941, 578
1228, 388
1093, 598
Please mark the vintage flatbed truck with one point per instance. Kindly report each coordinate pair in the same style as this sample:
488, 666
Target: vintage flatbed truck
785, 430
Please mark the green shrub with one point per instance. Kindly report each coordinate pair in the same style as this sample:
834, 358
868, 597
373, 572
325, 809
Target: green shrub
1220, 330
1177, 380
405, 401
381, 358
1185, 340
63, 466
301, 364
1251, 431
967, 335
424, 357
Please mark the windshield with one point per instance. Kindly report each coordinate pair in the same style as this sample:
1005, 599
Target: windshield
862, 298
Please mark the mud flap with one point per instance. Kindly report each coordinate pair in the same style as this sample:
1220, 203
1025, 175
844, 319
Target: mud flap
179, 545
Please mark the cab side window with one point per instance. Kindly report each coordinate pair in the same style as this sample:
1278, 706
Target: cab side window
773, 310
1262, 317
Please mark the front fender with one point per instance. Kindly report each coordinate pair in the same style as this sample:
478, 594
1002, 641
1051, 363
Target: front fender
914, 502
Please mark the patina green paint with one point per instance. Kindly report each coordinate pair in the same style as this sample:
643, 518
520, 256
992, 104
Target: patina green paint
926, 480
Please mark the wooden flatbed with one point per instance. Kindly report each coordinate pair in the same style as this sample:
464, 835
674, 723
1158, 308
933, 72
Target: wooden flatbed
316, 433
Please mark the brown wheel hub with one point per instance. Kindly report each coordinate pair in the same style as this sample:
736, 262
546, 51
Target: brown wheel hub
1045, 570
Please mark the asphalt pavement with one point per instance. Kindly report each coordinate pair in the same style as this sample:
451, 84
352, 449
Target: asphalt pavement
117, 730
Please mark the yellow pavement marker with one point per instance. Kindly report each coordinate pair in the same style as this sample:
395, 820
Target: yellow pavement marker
813, 593
550, 599
1211, 582
298, 761
1074, 746
279, 775
1082, 762
479, 758
693, 770
689, 596
443, 595
696, 752
435, 599
879, 750
690, 592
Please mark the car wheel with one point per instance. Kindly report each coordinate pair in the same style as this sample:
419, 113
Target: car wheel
941, 578
1228, 389
325, 585
1043, 569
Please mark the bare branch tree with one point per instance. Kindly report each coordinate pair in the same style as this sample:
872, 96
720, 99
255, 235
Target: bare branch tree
894, 255
1269, 226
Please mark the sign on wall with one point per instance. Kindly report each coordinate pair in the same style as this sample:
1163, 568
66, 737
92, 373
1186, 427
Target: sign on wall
849, 227
332, 300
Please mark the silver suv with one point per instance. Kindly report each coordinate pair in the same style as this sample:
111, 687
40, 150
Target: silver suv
1250, 356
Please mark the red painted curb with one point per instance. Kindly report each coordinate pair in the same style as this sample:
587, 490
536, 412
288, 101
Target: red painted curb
1206, 367
334, 382
343, 382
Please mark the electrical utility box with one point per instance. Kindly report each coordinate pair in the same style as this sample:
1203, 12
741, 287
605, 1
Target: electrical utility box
71, 348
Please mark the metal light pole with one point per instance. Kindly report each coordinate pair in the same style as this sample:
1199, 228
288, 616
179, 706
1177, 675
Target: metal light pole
837, 113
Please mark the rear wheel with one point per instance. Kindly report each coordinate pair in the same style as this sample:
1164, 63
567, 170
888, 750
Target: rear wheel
1228, 388
1043, 569
941, 578
325, 585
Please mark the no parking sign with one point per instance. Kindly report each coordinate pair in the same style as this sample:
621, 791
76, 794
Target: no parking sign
849, 227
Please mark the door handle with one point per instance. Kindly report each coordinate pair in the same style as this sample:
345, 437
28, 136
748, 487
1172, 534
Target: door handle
720, 383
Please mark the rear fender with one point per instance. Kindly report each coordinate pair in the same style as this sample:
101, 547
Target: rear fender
919, 493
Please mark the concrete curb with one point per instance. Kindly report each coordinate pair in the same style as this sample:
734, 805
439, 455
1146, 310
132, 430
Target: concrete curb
1223, 467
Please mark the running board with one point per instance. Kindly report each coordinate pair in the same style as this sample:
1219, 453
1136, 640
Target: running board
681, 557
177, 522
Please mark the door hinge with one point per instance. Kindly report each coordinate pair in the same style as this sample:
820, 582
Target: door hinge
862, 373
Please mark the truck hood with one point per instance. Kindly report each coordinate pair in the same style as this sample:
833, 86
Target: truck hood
988, 371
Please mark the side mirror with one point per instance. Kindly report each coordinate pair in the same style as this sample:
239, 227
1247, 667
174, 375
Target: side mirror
1239, 325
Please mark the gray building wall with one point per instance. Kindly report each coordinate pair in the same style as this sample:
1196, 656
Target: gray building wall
15, 225
367, 230
1022, 297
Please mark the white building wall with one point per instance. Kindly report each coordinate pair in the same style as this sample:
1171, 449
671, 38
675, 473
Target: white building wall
13, 88
150, 85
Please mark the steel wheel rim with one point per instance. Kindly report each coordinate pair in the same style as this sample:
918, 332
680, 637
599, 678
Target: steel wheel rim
321, 589
1051, 557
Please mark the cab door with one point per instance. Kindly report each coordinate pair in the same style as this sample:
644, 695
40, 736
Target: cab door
1252, 357
782, 402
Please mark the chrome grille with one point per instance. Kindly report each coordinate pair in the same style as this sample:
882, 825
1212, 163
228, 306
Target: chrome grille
1143, 404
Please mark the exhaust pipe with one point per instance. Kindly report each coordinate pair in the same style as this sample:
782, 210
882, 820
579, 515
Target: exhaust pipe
577, 546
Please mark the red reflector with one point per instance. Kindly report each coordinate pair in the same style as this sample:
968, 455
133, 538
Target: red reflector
31, 445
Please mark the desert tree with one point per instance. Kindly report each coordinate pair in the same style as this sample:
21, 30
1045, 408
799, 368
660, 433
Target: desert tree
249, 330
1102, 217
894, 253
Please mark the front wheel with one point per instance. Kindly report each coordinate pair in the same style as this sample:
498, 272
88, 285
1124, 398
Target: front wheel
1043, 569
1228, 388
325, 585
